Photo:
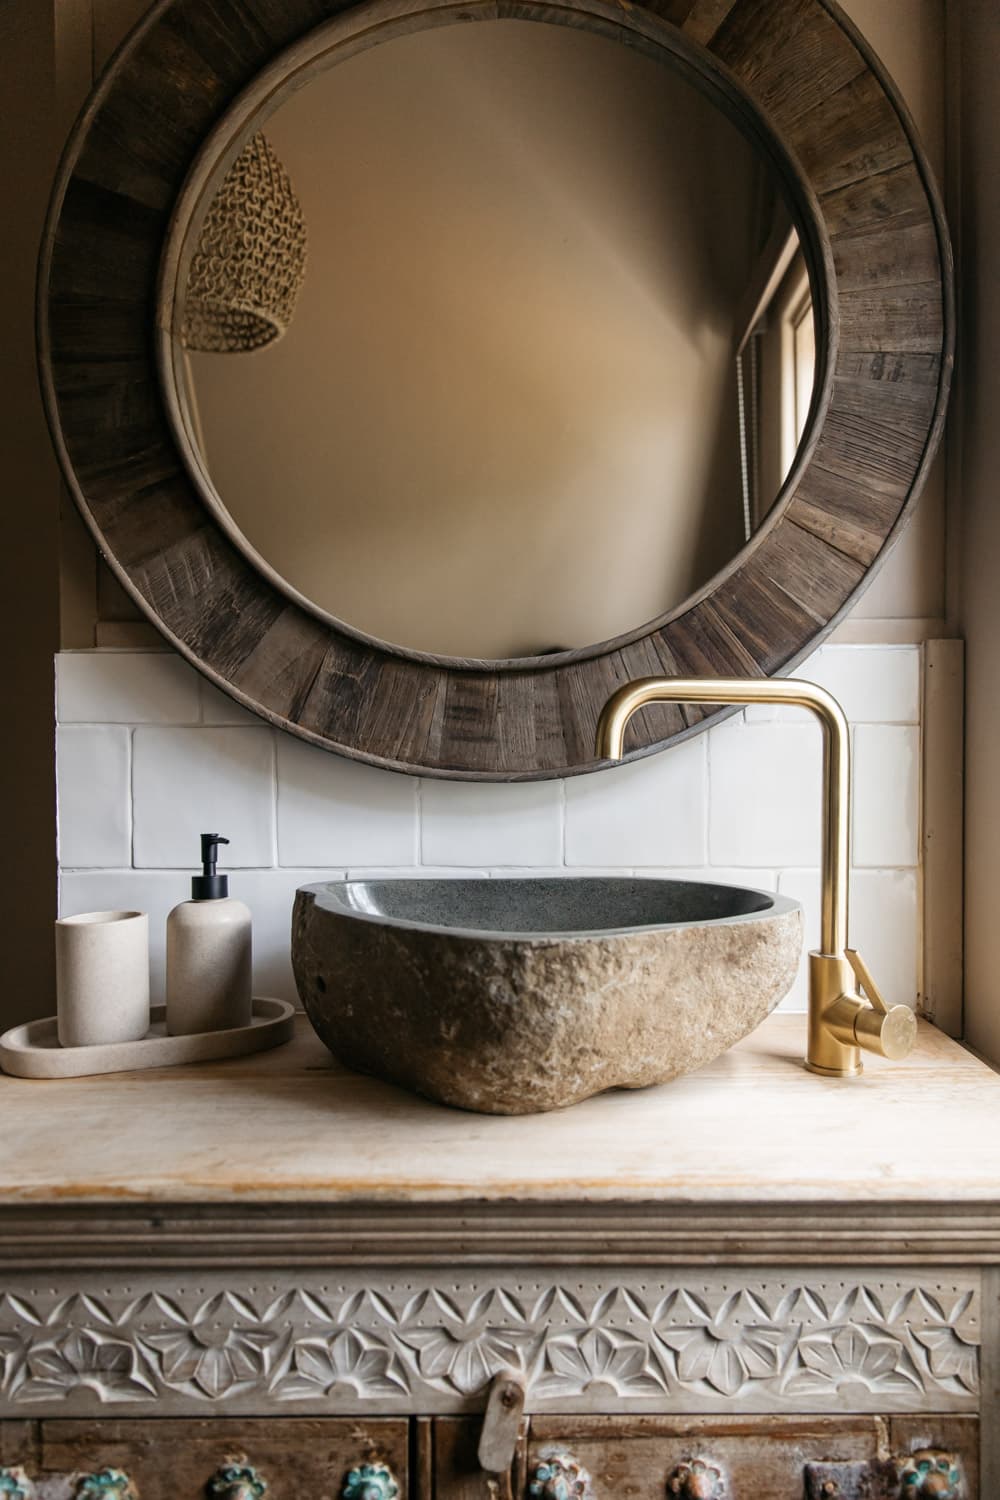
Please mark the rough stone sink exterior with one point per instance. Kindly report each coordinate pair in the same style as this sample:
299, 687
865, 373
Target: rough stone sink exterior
514, 996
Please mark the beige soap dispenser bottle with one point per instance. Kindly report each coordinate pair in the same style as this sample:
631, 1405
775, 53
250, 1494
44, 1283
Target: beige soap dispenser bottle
209, 954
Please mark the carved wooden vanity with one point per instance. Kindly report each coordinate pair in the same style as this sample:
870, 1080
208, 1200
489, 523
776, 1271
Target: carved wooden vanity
751, 1283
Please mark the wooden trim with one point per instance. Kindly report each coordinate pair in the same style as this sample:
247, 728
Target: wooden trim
942, 904
182, 1237
806, 88
704, 19
989, 1455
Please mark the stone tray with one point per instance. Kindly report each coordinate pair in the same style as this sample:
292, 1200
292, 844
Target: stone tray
33, 1051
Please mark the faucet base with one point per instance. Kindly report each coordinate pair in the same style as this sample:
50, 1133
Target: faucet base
832, 1050
845, 1072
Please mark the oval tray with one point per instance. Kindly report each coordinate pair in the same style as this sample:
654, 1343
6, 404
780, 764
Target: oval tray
33, 1051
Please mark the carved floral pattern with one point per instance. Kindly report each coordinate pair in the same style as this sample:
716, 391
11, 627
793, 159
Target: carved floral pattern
214, 1365
884, 1343
847, 1357
85, 1359
347, 1361
587, 1358
469, 1358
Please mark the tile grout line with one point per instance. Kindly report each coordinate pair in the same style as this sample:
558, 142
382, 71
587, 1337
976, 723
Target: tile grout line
275, 802
707, 810
131, 795
419, 808
185, 724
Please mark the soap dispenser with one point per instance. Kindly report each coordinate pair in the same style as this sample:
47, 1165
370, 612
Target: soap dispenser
209, 954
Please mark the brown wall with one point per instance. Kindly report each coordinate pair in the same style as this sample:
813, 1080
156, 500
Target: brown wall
977, 34
29, 601
909, 37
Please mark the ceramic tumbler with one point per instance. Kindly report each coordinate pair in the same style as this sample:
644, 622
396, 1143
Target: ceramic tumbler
102, 978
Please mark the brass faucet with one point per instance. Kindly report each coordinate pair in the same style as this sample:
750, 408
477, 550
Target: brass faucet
841, 1023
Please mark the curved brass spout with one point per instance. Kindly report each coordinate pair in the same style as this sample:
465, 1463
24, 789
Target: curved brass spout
840, 1022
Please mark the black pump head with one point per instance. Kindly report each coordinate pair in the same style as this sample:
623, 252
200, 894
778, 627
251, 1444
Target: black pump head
208, 886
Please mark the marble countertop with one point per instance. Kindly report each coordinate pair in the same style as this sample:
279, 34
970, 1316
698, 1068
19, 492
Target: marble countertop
294, 1126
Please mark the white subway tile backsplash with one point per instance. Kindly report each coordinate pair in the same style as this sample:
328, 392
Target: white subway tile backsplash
270, 895
765, 794
125, 687
872, 684
491, 823
93, 796
557, 872
749, 877
150, 756
337, 811
420, 872
192, 781
886, 795
885, 930
647, 812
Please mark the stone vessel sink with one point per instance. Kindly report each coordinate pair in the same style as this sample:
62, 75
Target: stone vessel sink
514, 996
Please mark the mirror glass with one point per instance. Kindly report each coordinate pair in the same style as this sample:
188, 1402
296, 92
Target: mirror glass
494, 339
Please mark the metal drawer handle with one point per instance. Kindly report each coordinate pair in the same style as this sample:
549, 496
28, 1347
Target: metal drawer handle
697, 1480
930, 1472
370, 1481
559, 1476
236, 1479
15, 1484
106, 1484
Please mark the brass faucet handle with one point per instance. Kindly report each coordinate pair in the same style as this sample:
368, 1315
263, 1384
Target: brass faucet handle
863, 975
889, 1030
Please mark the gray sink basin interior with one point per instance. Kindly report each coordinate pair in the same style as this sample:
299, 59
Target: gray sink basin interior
511, 996
535, 908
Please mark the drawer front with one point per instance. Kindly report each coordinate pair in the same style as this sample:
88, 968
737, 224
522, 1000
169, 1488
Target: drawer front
288, 1458
717, 1458
586, 1458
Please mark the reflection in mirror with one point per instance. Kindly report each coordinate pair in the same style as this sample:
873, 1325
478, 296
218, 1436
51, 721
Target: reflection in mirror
548, 354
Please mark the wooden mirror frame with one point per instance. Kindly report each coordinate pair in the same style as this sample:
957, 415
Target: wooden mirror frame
802, 84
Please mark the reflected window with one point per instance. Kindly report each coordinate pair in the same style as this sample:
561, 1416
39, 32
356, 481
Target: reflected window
775, 369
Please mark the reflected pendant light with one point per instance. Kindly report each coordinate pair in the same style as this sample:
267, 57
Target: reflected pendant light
250, 262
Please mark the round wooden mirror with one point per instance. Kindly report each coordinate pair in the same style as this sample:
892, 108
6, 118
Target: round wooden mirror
182, 115
490, 341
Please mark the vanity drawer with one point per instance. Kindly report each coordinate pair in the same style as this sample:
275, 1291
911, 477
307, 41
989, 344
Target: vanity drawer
757, 1457
297, 1458
643, 1458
